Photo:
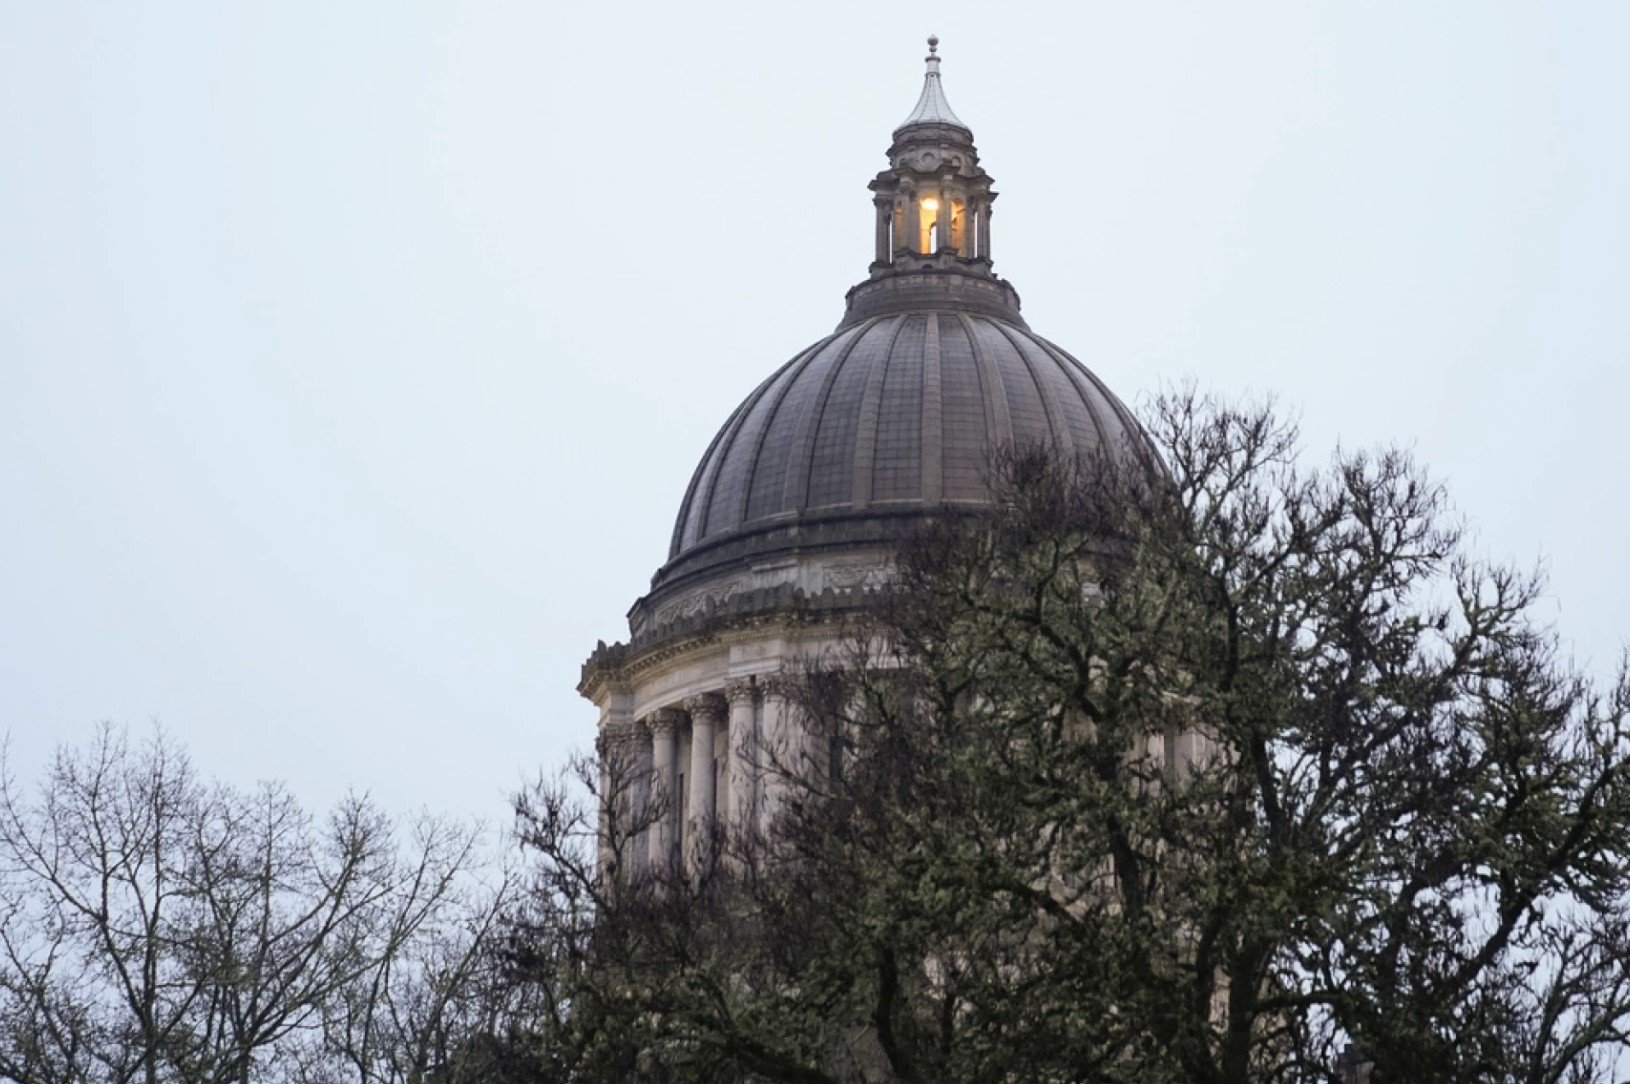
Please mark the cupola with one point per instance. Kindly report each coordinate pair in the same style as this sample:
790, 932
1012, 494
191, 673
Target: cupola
934, 201
933, 207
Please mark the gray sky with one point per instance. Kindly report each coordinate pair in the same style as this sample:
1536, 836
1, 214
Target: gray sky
354, 357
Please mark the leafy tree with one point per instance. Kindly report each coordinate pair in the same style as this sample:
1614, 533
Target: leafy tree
1229, 771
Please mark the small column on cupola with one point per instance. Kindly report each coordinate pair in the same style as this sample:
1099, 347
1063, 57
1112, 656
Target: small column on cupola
933, 202
885, 229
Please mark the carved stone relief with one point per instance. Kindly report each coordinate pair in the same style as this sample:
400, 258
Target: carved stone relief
857, 577
697, 604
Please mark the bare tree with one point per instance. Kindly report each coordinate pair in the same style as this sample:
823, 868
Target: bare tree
428, 1012
159, 928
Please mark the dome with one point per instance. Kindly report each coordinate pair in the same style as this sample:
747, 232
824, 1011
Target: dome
893, 417
896, 417
791, 526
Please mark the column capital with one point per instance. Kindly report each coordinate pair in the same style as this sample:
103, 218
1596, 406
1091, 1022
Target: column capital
741, 691
775, 686
618, 734
664, 720
708, 706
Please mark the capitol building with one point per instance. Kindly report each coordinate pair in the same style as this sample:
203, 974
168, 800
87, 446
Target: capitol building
792, 517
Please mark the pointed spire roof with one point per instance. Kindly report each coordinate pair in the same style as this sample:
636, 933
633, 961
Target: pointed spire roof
932, 108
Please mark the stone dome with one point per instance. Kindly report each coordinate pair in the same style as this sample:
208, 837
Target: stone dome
793, 519
893, 417
896, 417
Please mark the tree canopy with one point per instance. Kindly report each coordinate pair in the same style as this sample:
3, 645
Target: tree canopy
1188, 763
1232, 770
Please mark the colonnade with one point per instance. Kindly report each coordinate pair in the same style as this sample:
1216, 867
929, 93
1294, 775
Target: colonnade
685, 768
900, 225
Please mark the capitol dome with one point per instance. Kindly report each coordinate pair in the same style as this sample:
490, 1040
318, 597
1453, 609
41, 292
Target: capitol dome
894, 417
794, 517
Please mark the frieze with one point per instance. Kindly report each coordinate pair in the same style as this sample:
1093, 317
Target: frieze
696, 605
857, 577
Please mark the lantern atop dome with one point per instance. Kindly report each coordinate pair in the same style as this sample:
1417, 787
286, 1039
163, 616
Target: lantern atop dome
934, 201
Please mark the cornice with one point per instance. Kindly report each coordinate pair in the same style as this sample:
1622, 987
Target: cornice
626, 665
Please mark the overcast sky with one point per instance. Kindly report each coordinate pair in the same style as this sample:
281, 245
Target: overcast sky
354, 357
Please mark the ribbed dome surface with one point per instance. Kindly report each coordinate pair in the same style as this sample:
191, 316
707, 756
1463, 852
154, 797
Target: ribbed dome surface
896, 413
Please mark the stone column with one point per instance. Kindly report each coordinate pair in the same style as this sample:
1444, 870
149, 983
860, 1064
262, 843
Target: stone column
914, 221
944, 221
707, 715
984, 229
664, 727
885, 220
780, 760
624, 783
721, 769
743, 757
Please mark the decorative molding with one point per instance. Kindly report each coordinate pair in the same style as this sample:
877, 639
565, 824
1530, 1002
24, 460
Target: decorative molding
774, 686
696, 605
618, 733
664, 721
749, 618
741, 690
857, 577
708, 706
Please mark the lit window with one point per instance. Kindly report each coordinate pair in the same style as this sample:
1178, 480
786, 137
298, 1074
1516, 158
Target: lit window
929, 240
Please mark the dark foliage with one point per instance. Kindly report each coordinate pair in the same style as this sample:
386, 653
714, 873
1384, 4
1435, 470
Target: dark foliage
1232, 772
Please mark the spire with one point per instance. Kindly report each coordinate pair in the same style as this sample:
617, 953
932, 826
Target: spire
932, 108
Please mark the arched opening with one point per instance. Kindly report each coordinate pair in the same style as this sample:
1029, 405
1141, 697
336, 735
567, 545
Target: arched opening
929, 240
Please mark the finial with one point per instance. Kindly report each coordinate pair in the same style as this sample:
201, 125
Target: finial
932, 107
